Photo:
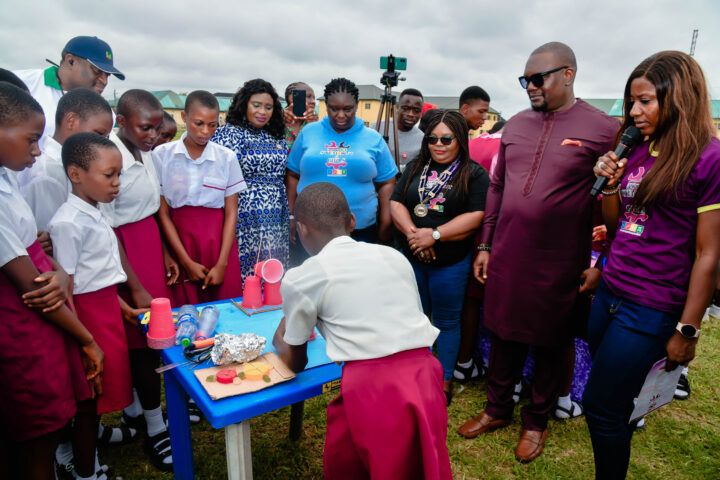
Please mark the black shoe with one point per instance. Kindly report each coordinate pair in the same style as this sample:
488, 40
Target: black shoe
136, 423
448, 398
64, 471
127, 435
158, 449
474, 372
682, 390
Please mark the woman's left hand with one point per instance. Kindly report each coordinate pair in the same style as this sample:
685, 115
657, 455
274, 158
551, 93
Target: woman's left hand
420, 239
680, 351
310, 116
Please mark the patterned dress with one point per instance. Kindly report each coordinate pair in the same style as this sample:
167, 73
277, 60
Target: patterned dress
263, 207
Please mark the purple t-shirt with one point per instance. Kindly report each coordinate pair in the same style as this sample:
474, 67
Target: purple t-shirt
654, 250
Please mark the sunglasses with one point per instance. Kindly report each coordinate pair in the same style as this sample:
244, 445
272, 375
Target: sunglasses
537, 79
432, 140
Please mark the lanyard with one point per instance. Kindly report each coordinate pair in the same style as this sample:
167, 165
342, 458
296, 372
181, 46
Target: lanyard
439, 185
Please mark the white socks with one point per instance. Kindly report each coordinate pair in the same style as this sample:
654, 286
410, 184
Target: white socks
64, 453
564, 402
134, 409
154, 420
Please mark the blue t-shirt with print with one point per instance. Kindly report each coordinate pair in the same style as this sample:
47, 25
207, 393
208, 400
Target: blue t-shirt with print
354, 160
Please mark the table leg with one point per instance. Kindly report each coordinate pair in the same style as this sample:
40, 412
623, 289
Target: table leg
296, 420
180, 439
239, 455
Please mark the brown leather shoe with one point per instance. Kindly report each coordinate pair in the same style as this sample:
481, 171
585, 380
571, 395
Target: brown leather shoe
481, 424
531, 445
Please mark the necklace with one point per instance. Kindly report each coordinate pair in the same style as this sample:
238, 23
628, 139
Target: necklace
421, 209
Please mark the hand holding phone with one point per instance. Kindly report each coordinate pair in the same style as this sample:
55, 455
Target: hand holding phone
298, 101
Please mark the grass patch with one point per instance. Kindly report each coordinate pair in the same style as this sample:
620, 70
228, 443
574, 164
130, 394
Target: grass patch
681, 440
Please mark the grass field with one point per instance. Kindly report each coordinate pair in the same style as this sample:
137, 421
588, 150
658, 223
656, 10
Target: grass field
681, 441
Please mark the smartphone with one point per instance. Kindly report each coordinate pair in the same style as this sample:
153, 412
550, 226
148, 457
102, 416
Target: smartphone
393, 63
298, 100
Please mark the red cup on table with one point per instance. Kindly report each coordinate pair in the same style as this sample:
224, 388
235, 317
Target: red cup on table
161, 329
269, 270
252, 293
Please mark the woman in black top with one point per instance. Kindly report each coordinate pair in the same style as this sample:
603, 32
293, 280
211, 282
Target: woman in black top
437, 205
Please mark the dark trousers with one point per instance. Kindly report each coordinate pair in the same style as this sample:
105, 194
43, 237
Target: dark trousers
505, 369
625, 340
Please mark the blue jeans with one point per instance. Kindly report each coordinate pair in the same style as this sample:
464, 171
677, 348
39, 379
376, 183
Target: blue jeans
442, 292
625, 340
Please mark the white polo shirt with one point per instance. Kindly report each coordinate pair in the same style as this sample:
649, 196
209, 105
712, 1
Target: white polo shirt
362, 297
17, 225
202, 182
45, 185
139, 195
45, 88
85, 246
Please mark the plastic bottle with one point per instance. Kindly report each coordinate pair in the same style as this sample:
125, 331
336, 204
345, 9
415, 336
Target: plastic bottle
208, 322
187, 325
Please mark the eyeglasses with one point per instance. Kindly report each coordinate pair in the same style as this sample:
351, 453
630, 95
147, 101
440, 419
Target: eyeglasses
537, 79
432, 140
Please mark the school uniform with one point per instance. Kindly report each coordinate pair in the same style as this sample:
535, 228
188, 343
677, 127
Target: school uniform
390, 419
41, 369
86, 247
45, 186
132, 215
44, 87
195, 190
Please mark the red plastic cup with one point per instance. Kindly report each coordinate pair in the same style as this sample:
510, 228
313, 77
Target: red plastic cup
272, 294
161, 330
252, 293
269, 270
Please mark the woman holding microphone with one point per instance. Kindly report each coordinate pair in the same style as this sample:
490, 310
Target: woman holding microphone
662, 204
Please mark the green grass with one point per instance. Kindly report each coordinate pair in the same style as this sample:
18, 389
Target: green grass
681, 440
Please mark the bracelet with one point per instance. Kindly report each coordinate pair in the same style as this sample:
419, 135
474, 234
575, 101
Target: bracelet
484, 247
611, 192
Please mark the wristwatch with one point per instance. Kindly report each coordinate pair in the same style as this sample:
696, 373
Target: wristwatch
687, 330
436, 234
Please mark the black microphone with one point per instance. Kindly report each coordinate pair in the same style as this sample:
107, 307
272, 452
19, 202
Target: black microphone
629, 138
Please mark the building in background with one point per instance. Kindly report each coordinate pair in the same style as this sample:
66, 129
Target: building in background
369, 106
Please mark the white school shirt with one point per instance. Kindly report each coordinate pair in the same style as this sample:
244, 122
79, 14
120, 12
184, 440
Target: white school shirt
45, 185
17, 225
45, 88
202, 182
85, 246
362, 297
139, 195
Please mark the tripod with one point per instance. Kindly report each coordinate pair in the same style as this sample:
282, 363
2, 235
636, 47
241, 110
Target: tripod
388, 104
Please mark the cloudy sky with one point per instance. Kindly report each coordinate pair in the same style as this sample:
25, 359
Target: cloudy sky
218, 44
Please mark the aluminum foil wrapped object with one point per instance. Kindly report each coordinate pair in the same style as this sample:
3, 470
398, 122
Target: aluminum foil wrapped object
230, 348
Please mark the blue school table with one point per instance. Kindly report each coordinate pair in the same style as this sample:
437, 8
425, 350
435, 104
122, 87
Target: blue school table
234, 413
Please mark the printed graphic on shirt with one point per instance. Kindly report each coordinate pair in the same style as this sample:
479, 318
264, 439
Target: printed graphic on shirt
634, 217
436, 204
336, 163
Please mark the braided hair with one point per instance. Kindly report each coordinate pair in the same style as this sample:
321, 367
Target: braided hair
342, 85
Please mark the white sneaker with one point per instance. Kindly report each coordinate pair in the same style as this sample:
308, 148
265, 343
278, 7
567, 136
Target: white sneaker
713, 313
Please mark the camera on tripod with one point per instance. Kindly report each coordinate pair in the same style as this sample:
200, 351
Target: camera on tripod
391, 63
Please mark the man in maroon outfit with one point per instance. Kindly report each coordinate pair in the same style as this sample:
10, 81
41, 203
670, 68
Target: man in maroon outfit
537, 223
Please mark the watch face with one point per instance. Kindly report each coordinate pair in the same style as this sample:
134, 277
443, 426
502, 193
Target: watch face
688, 331
436, 235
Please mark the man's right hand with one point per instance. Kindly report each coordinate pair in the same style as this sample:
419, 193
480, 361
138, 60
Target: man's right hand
480, 266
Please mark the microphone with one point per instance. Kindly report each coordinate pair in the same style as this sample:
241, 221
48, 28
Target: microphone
629, 138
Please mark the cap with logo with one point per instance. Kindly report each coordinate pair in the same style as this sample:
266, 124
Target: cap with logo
94, 51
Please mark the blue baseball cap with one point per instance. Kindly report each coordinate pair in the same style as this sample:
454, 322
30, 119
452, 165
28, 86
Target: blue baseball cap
94, 51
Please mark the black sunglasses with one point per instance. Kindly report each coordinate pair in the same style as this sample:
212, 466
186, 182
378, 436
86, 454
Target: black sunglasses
432, 140
537, 79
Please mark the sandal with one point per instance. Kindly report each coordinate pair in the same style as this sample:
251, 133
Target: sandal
474, 372
448, 398
64, 471
575, 410
194, 412
682, 390
158, 449
127, 434
136, 423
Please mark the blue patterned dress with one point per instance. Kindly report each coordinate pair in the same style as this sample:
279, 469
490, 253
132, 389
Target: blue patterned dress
263, 207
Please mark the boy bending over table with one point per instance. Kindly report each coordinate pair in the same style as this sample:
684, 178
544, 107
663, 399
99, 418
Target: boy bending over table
390, 419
